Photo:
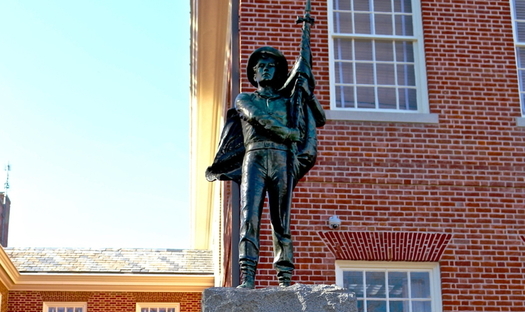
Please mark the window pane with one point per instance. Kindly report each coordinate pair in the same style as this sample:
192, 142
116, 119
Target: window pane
406, 75
403, 6
362, 23
360, 306
383, 6
61, 309
384, 51
345, 97
343, 49
343, 22
364, 50
387, 98
520, 51
344, 73
52, 310
398, 284
407, 99
171, 310
521, 75
404, 25
521, 31
70, 310
361, 5
353, 281
144, 310
376, 306
420, 283
342, 5
78, 309
421, 306
404, 52
365, 99
383, 24
520, 9
400, 306
375, 284
386, 74
523, 101
153, 310
364, 73
162, 309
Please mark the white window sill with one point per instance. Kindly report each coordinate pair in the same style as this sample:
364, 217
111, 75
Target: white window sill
520, 121
383, 116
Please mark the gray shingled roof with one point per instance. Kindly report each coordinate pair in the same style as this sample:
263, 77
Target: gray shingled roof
111, 260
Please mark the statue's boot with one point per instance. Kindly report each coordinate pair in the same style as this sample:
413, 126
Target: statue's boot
285, 279
248, 278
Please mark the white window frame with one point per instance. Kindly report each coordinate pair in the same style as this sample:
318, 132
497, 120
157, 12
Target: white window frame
520, 120
64, 304
383, 266
142, 305
421, 115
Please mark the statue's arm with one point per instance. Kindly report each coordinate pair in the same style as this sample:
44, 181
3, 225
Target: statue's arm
259, 119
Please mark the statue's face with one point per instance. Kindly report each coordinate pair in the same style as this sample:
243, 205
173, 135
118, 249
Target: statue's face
264, 70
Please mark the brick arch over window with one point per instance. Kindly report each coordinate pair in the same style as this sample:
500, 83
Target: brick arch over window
386, 246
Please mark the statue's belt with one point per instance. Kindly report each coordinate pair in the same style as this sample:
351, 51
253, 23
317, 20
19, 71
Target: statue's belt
266, 145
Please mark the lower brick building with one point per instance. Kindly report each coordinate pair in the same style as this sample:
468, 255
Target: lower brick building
119, 280
422, 156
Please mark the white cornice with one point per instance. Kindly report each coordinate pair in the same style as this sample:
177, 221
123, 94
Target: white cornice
210, 45
8, 272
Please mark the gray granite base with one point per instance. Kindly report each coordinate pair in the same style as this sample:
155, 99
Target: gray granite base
296, 298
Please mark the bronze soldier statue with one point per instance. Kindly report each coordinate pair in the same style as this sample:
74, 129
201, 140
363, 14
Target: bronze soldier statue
268, 144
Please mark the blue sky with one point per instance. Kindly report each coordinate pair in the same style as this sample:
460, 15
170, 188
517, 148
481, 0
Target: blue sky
94, 120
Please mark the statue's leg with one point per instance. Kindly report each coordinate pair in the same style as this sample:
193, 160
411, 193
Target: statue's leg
280, 197
252, 201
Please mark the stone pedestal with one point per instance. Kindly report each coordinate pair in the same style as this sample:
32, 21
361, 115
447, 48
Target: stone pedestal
296, 298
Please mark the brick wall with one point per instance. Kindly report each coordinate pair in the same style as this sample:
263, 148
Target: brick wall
463, 177
32, 301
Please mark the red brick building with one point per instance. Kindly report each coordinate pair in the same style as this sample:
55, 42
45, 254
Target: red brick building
117, 280
422, 158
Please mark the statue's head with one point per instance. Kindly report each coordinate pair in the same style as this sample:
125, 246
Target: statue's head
268, 56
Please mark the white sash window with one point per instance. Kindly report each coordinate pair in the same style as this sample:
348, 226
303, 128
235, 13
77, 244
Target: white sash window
377, 56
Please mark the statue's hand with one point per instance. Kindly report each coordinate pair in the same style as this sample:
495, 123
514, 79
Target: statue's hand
294, 135
303, 83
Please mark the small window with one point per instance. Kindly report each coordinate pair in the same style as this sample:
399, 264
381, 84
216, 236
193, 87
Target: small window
391, 286
65, 307
158, 307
